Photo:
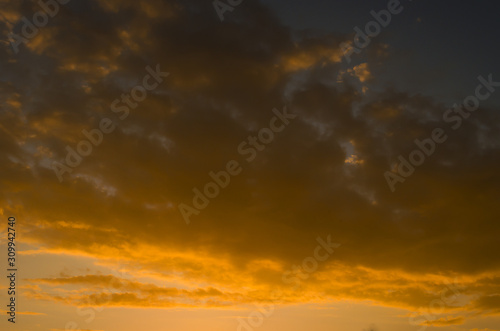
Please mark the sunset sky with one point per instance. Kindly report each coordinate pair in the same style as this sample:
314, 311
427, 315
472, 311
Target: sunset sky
251, 165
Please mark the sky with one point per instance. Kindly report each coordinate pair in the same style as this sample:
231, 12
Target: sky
243, 165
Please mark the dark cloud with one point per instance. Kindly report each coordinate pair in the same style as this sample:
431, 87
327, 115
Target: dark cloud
322, 175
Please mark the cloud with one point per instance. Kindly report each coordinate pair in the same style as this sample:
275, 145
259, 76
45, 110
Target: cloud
108, 290
445, 321
120, 203
25, 313
488, 303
